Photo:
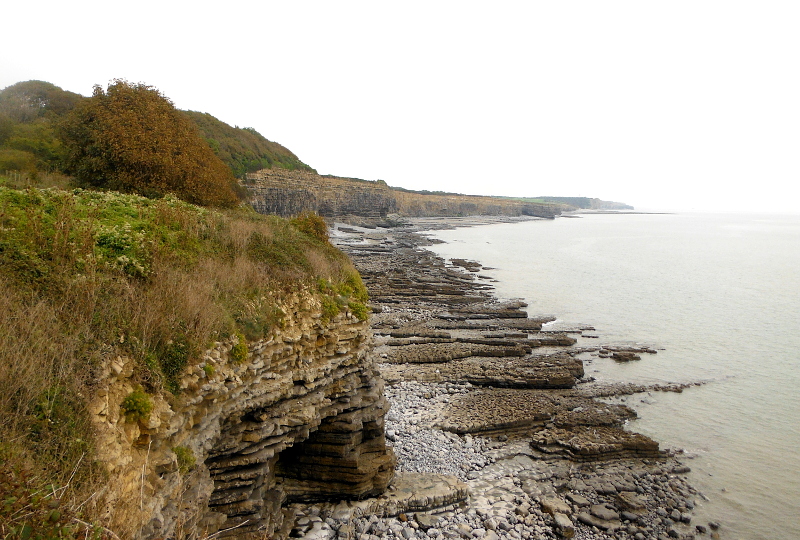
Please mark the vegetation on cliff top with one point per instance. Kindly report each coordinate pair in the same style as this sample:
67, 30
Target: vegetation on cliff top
244, 150
33, 112
86, 276
29, 114
131, 138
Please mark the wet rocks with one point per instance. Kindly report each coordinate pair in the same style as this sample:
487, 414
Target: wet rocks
539, 454
585, 443
625, 356
496, 410
431, 353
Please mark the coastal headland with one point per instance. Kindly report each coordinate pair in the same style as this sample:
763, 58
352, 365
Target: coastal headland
290, 192
497, 430
181, 371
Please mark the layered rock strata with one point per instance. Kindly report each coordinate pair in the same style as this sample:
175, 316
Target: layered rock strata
541, 456
300, 418
286, 193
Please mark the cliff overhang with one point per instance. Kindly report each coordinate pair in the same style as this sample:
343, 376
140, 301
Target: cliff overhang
299, 419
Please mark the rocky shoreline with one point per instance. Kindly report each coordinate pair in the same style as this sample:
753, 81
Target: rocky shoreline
497, 430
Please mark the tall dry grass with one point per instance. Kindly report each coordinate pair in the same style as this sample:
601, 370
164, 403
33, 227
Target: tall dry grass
86, 276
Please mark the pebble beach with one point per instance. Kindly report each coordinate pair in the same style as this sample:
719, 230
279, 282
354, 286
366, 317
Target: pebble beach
497, 430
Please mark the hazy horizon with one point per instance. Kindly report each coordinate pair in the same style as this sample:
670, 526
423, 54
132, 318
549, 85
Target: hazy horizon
678, 106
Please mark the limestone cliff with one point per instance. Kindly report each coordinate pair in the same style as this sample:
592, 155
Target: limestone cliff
300, 418
286, 193
414, 204
283, 192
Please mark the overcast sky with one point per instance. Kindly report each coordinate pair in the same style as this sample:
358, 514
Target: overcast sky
663, 105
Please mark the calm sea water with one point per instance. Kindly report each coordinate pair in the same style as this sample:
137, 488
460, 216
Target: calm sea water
721, 295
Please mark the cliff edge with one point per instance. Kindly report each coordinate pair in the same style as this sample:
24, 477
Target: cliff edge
299, 418
171, 371
286, 193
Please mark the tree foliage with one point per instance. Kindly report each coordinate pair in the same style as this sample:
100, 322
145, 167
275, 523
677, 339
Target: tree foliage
32, 111
26, 101
29, 112
131, 138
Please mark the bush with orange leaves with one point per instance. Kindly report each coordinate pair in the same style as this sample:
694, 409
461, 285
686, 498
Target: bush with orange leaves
131, 138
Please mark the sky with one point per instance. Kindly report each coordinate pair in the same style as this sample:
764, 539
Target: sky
679, 105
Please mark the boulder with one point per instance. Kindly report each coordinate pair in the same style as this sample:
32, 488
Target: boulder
552, 506
564, 526
604, 512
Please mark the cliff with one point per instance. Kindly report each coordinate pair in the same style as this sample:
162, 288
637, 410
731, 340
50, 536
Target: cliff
283, 192
170, 371
286, 193
428, 205
587, 203
300, 418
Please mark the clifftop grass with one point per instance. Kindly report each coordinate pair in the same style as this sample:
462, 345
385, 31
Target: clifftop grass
86, 276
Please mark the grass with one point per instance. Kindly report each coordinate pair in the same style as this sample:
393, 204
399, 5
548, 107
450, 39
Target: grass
185, 458
350, 292
86, 276
137, 406
33, 509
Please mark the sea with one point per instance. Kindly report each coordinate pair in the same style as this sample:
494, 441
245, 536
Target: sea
718, 296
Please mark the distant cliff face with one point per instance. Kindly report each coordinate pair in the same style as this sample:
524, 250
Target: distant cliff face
300, 418
587, 203
286, 193
425, 205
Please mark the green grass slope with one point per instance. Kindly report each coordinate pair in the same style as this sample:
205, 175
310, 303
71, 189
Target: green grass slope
86, 276
32, 112
244, 150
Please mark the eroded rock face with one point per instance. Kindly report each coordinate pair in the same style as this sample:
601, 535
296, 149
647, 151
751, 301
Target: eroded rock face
287, 193
301, 418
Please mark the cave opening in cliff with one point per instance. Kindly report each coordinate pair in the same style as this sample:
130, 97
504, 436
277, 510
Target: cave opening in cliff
344, 458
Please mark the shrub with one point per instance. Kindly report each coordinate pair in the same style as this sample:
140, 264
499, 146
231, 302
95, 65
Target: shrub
311, 224
359, 310
175, 356
355, 287
137, 406
282, 248
330, 308
186, 459
131, 138
350, 292
17, 160
119, 247
238, 352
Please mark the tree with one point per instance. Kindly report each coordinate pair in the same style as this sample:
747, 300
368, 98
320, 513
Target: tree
132, 138
28, 113
26, 101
